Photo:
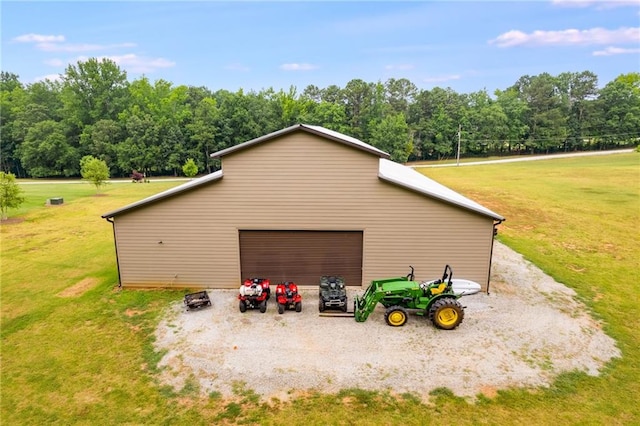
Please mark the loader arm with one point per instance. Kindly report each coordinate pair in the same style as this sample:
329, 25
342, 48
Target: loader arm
374, 294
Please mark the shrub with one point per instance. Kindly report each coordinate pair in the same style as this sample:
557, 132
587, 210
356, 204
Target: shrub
94, 170
10, 193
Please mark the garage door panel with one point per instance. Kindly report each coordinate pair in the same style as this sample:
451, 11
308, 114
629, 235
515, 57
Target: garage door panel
301, 256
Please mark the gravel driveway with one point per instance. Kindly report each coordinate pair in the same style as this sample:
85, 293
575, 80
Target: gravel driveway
527, 331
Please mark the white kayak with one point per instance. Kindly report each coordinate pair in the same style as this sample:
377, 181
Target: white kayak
465, 287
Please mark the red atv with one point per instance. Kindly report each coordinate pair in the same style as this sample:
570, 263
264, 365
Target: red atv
254, 293
288, 297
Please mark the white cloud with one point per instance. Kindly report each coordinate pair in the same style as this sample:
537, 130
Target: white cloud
141, 64
56, 43
441, 78
83, 47
570, 37
399, 67
610, 51
50, 77
298, 67
134, 63
39, 38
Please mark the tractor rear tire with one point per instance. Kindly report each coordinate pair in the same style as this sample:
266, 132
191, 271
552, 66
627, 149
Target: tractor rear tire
242, 306
446, 313
280, 308
298, 306
263, 306
396, 316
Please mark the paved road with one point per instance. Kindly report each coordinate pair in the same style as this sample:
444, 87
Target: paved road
50, 181
527, 158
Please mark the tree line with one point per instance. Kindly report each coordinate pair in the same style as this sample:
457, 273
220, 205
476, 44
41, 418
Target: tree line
47, 127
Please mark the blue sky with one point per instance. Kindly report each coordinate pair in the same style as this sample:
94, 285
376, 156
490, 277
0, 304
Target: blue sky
468, 46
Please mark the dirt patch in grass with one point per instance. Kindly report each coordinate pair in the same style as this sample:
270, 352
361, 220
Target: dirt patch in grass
11, 221
79, 288
133, 312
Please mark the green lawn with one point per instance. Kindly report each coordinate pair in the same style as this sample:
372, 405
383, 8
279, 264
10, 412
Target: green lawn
76, 350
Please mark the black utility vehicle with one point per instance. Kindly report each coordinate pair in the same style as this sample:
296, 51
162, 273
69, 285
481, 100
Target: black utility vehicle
332, 293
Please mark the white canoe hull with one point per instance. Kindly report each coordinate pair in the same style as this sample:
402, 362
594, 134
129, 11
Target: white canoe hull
465, 287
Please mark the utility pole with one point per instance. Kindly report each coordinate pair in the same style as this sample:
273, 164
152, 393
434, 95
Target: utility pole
458, 156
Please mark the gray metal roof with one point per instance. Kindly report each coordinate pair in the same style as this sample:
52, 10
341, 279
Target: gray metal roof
316, 130
407, 177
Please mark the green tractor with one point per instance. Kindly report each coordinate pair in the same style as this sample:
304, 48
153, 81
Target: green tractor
433, 298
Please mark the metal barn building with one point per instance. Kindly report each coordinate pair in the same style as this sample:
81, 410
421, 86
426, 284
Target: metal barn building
297, 204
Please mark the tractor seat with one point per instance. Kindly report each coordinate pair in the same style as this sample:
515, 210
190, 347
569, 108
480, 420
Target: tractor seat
429, 288
439, 289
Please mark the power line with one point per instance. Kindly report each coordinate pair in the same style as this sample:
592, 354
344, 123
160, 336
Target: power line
558, 139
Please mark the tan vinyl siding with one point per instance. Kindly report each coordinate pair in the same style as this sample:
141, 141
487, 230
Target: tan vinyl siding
298, 182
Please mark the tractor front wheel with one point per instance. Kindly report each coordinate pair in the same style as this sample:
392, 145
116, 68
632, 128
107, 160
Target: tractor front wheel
263, 306
298, 306
242, 306
446, 313
396, 316
321, 305
280, 308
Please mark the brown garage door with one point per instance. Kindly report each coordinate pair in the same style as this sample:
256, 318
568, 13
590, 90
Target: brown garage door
301, 256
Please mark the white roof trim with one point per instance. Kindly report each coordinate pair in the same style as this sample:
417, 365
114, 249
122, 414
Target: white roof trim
317, 130
411, 179
346, 138
168, 193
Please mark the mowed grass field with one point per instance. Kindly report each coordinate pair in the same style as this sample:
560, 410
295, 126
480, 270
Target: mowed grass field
76, 350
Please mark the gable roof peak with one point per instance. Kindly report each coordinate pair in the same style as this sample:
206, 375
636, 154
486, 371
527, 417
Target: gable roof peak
316, 130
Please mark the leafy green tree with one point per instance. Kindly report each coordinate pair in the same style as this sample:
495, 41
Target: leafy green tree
434, 120
203, 131
93, 90
237, 120
313, 93
391, 134
140, 150
94, 170
164, 136
400, 94
190, 169
21, 109
332, 94
516, 111
10, 193
546, 119
327, 114
358, 98
288, 107
618, 108
101, 139
12, 99
578, 92
46, 152
484, 126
